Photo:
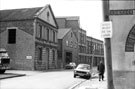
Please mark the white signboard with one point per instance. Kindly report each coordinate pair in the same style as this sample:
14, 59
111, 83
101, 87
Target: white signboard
28, 57
106, 29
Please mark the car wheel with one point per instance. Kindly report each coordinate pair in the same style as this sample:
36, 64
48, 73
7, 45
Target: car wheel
89, 76
74, 75
2, 71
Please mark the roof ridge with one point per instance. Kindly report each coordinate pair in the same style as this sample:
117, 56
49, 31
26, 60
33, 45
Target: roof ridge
20, 8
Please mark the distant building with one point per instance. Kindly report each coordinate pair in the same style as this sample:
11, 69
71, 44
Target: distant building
95, 50
82, 46
82, 41
30, 37
67, 47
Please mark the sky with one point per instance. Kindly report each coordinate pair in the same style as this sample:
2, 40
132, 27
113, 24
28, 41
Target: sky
89, 11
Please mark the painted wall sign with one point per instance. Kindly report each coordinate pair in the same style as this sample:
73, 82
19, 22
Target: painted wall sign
122, 12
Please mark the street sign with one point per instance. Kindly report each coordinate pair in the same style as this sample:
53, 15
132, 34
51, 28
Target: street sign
106, 29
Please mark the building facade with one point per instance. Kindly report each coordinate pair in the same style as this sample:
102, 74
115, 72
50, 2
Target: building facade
67, 47
82, 46
84, 42
30, 37
95, 50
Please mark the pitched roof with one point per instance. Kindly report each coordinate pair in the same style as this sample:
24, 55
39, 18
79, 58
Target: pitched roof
18, 14
62, 32
23, 14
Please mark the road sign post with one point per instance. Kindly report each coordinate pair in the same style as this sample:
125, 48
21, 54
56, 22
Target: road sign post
107, 37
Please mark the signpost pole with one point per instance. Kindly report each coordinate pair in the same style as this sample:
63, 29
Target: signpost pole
108, 56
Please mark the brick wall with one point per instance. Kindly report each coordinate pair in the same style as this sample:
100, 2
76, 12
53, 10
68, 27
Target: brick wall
24, 45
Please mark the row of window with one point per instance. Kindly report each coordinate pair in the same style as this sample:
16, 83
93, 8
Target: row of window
98, 49
82, 38
46, 33
91, 50
71, 44
40, 54
82, 49
88, 60
41, 32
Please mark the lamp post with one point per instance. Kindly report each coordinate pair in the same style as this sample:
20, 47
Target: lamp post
108, 55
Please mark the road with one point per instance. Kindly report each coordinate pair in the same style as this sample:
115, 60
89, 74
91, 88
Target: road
43, 80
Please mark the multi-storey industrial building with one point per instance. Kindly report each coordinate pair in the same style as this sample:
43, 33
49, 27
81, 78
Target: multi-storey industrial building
88, 48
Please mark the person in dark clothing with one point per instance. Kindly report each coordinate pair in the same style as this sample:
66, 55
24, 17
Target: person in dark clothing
101, 70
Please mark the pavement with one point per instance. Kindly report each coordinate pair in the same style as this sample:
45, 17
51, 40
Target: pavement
121, 80
93, 83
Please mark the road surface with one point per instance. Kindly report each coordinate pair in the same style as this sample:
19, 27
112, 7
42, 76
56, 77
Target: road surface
43, 80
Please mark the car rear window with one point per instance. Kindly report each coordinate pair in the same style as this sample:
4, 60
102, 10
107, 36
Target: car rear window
87, 67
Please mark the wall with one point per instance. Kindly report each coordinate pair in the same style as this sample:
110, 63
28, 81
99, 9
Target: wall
61, 22
24, 44
73, 49
122, 25
122, 15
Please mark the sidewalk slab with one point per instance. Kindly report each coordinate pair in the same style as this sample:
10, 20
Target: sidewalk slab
93, 84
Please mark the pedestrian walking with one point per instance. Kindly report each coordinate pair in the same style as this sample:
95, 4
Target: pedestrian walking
101, 70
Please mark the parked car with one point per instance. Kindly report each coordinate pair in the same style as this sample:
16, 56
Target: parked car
71, 65
4, 60
82, 70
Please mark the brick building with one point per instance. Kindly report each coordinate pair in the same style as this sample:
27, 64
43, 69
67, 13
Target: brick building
67, 47
84, 56
95, 50
30, 37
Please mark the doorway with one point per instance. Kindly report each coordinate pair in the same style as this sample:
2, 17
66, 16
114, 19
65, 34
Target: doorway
68, 57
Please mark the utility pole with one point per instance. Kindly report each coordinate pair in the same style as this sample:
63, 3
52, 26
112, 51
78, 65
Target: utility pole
93, 53
108, 55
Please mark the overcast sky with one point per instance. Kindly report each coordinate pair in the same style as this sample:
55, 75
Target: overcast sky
90, 11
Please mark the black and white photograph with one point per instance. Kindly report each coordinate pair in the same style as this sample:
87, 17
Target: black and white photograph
67, 44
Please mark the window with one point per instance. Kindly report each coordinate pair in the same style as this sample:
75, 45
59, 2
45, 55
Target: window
71, 35
11, 36
47, 34
53, 36
53, 55
40, 31
67, 43
48, 16
71, 43
40, 53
